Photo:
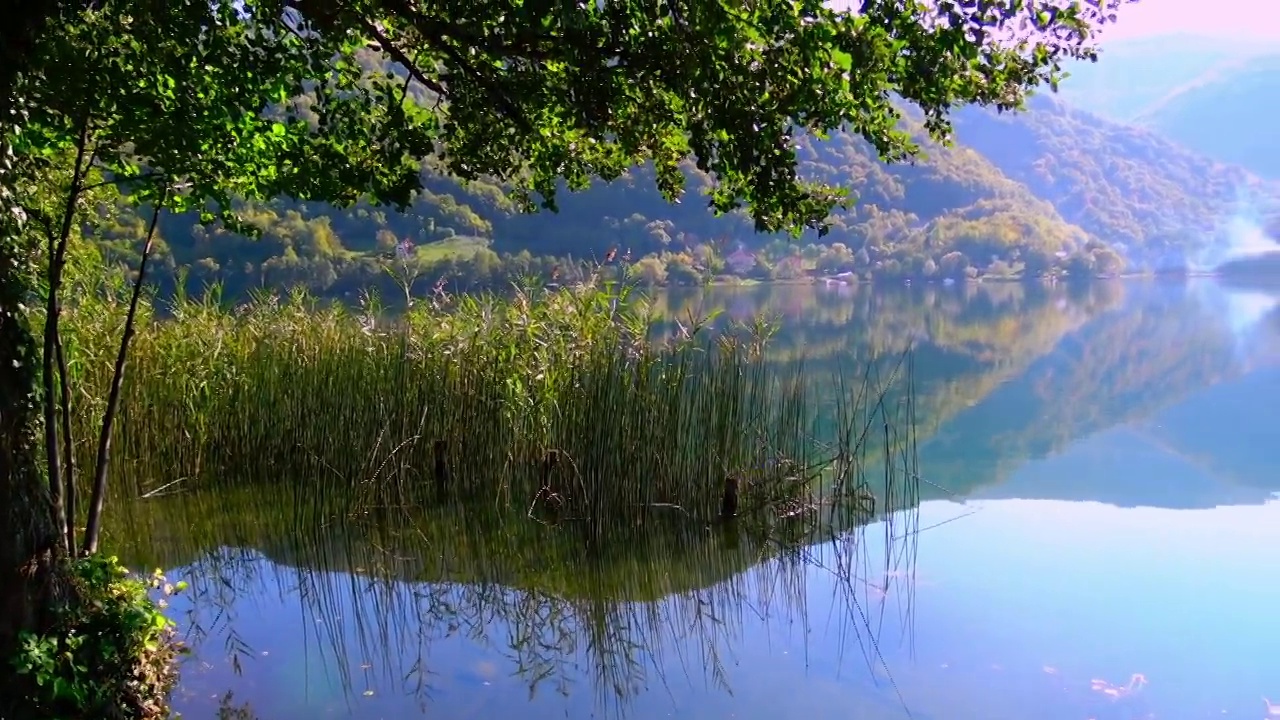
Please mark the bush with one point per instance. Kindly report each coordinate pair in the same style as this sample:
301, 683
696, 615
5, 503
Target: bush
111, 652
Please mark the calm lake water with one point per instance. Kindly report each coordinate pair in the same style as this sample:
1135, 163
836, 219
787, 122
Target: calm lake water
1098, 536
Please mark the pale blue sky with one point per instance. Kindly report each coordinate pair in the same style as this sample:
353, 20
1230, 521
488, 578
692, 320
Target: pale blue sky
1252, 19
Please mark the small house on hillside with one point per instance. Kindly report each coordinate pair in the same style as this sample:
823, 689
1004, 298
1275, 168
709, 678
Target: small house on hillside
740, 261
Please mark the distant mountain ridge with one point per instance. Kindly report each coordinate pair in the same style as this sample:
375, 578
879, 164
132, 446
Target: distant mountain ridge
1132, 75
1227, 113
1211, 95
1051, 189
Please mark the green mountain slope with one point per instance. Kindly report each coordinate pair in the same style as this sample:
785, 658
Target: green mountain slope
906, 220
1226, 113
1133, 74
1045, 190
1152, 200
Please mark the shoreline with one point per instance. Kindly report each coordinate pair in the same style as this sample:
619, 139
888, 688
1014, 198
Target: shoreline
1052, 280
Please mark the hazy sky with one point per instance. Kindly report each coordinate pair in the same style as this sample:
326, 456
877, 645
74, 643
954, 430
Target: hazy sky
1253, 19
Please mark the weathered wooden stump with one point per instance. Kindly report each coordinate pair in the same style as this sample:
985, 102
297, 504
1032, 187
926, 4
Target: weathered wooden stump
441, 450
729, 503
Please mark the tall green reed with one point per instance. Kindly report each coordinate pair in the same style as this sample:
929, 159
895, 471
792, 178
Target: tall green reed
286, 426
558, 401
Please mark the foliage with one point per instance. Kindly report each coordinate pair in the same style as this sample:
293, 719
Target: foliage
110, 656
175, 101
594, 91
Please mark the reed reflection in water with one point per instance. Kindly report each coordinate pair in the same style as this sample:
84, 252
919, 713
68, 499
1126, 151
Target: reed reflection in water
517, 605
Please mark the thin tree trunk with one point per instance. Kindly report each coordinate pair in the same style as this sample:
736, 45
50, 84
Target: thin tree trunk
34, 582
47, 379
33, 575
53, 308
92, 526
31, 552
69, 466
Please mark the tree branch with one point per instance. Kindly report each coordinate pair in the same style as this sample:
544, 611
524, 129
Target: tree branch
399, 56
428, 29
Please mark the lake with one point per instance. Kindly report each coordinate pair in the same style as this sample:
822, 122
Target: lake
1097, 536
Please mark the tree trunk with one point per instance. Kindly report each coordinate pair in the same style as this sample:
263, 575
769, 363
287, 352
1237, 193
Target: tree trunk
32, 572
68, 450
32, 569
93, 524
53, 310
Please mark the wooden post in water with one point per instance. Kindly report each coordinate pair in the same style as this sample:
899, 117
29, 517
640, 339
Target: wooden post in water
729, 503
549, 462
552, 501
731, 534
441, 450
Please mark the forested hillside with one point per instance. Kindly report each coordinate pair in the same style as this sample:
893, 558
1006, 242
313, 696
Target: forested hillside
1051, 190
952, 214
1226, 113
1153, 201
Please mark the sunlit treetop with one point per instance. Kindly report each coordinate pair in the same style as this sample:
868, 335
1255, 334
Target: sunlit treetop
534, 92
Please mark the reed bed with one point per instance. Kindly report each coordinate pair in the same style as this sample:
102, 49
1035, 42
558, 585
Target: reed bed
560, 402
397, 465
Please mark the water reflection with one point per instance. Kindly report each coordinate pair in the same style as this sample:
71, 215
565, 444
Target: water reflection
1091, 591
1096, 540
1007, 373
475, 616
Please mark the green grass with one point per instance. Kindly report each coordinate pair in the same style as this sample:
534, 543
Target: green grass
459, 248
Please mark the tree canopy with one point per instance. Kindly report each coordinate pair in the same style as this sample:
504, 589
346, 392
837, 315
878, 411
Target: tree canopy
534, 93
